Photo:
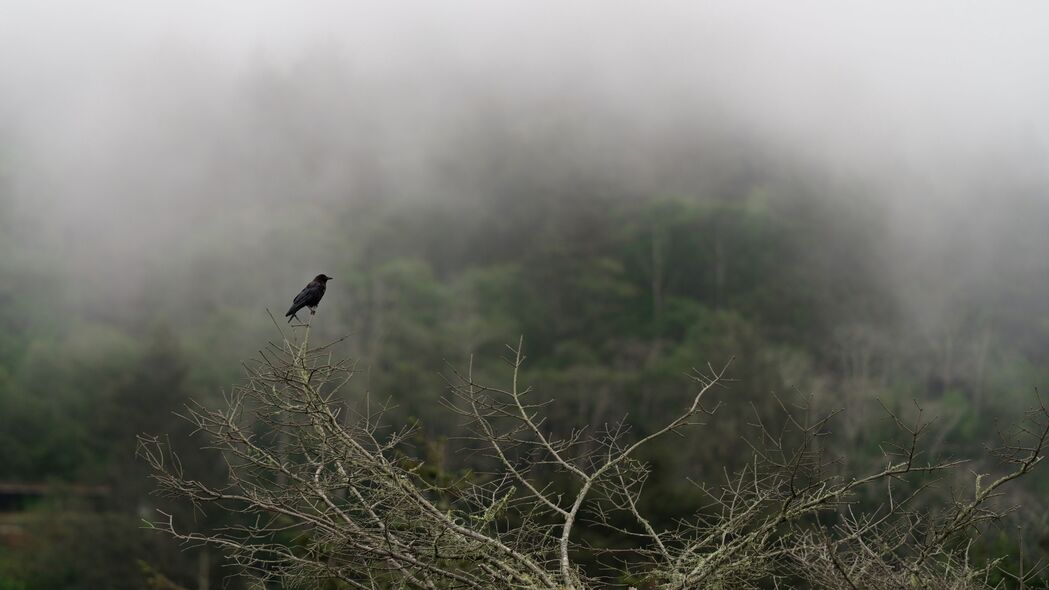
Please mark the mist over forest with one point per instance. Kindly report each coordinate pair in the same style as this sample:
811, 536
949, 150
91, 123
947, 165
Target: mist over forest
849, 200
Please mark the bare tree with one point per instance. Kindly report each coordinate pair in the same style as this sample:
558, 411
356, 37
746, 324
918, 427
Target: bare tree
324, 490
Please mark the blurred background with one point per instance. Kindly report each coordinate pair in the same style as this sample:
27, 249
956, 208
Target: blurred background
850, 200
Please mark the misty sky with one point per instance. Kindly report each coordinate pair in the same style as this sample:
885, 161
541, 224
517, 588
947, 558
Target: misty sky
128, 123
933, 72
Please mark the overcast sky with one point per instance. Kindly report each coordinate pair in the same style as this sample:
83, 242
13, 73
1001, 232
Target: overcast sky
911, 75
129, 120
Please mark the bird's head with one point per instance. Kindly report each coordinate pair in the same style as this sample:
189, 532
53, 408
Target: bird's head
322, 278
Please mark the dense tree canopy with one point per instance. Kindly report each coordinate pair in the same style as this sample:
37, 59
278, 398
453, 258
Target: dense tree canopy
618, 296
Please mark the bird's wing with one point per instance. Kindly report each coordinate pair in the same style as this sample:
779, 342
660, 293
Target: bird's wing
305, 295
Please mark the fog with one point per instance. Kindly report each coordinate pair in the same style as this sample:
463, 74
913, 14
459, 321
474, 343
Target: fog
134, 131
850, 198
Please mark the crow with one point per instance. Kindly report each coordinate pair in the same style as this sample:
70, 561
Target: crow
309, 297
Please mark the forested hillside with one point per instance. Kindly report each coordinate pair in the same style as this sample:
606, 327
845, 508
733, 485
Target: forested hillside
617, 297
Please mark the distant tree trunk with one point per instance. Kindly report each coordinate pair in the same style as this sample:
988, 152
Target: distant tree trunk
203, 570
948, 361
377, 317
658, 262
983, 349
719, 269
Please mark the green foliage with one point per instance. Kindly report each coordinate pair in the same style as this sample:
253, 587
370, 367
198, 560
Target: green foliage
80, 550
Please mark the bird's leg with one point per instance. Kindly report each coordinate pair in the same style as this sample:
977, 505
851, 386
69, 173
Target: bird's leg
313, 310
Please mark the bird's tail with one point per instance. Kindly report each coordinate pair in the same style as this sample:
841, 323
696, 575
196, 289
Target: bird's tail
291, 315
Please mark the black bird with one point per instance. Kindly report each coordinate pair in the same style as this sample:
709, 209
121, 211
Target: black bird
309, 297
